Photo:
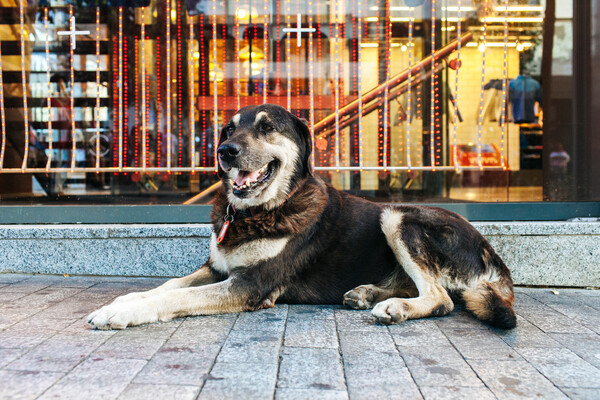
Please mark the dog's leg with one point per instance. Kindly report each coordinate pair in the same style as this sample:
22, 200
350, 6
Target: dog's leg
222, 297
433, 300
366, 296
202, 276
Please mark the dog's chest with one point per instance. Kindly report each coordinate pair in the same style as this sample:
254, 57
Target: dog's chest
224, 260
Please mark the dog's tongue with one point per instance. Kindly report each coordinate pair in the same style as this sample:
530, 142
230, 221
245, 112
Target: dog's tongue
245, 177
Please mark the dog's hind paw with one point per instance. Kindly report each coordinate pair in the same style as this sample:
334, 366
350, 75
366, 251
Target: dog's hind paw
361, 297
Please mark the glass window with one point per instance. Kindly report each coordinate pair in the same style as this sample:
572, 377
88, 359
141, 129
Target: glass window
412, 100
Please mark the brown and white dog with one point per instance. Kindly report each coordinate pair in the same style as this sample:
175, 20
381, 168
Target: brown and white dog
282, 234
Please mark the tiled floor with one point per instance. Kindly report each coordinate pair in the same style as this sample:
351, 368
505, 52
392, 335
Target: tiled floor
290, 352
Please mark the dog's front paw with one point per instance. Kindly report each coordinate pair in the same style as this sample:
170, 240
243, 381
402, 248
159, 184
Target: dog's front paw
130, 297
122, 315
391, 311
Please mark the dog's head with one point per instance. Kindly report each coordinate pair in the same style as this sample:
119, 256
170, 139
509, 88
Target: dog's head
264, 151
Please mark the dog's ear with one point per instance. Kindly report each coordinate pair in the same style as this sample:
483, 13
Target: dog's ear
303, 131
222, 138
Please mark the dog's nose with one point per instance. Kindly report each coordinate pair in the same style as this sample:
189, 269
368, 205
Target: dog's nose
229, 151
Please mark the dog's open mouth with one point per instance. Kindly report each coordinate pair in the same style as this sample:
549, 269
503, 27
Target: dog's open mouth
247, 181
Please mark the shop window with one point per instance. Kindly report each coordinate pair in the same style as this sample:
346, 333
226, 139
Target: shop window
118, 102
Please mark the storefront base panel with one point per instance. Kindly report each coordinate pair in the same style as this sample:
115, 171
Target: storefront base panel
538, 253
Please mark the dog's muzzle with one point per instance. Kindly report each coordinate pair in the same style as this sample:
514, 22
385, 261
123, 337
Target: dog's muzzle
228, 152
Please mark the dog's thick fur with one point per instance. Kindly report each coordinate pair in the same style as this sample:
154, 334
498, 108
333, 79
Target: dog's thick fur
295, 239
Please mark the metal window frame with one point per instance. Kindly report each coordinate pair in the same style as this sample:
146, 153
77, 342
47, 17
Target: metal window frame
186, 214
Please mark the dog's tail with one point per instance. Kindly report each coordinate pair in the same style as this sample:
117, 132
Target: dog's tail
491, 299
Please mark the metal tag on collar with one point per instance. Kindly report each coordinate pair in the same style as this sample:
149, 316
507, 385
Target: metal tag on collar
228, 219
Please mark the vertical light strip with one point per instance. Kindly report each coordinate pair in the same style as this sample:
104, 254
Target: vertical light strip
191, 68
48, 90
158, 104
455, 113
238, 83
143, 67
288, 56
311, 81
482, 84
504, 87
411, 22
2, 113
97, 110
360, 88
168, 94
179, 14
336, 82
24, 82
215, 83
125, 101
120, 89
136, 126
432, 90
386, 90
266, 51
72, 103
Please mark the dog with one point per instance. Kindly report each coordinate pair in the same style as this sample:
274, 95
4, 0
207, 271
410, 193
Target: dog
282, 234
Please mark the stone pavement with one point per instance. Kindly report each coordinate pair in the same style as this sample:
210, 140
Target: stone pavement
47, 351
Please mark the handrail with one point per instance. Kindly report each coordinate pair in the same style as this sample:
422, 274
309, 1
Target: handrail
393, 82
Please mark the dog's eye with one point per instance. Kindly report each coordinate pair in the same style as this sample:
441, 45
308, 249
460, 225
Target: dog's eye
229, 130
265, 127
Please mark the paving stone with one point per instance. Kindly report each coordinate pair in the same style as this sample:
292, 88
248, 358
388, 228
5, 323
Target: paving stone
515, 380
418, 333
527, 335
97, 378
585, 346
240, 380
459, 318
9, 355
178, 366
550, 320
582, 393
563, 367
18, 385
135, 391
126, 345
357, 320
439, 366
28, 286
311, 329
374, 368
480, 344
584, 314
60, 353
455, 392
47, 349
251, 347
310, 368
203, 330
13, 278
310, 394
6, 297
270, 319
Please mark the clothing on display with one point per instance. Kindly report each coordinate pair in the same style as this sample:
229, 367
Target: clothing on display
523, 93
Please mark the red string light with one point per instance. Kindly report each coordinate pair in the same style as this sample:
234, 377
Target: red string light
115, 105
126, 103
179, 89
278, 48
158, 104
136, 101
202, 91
